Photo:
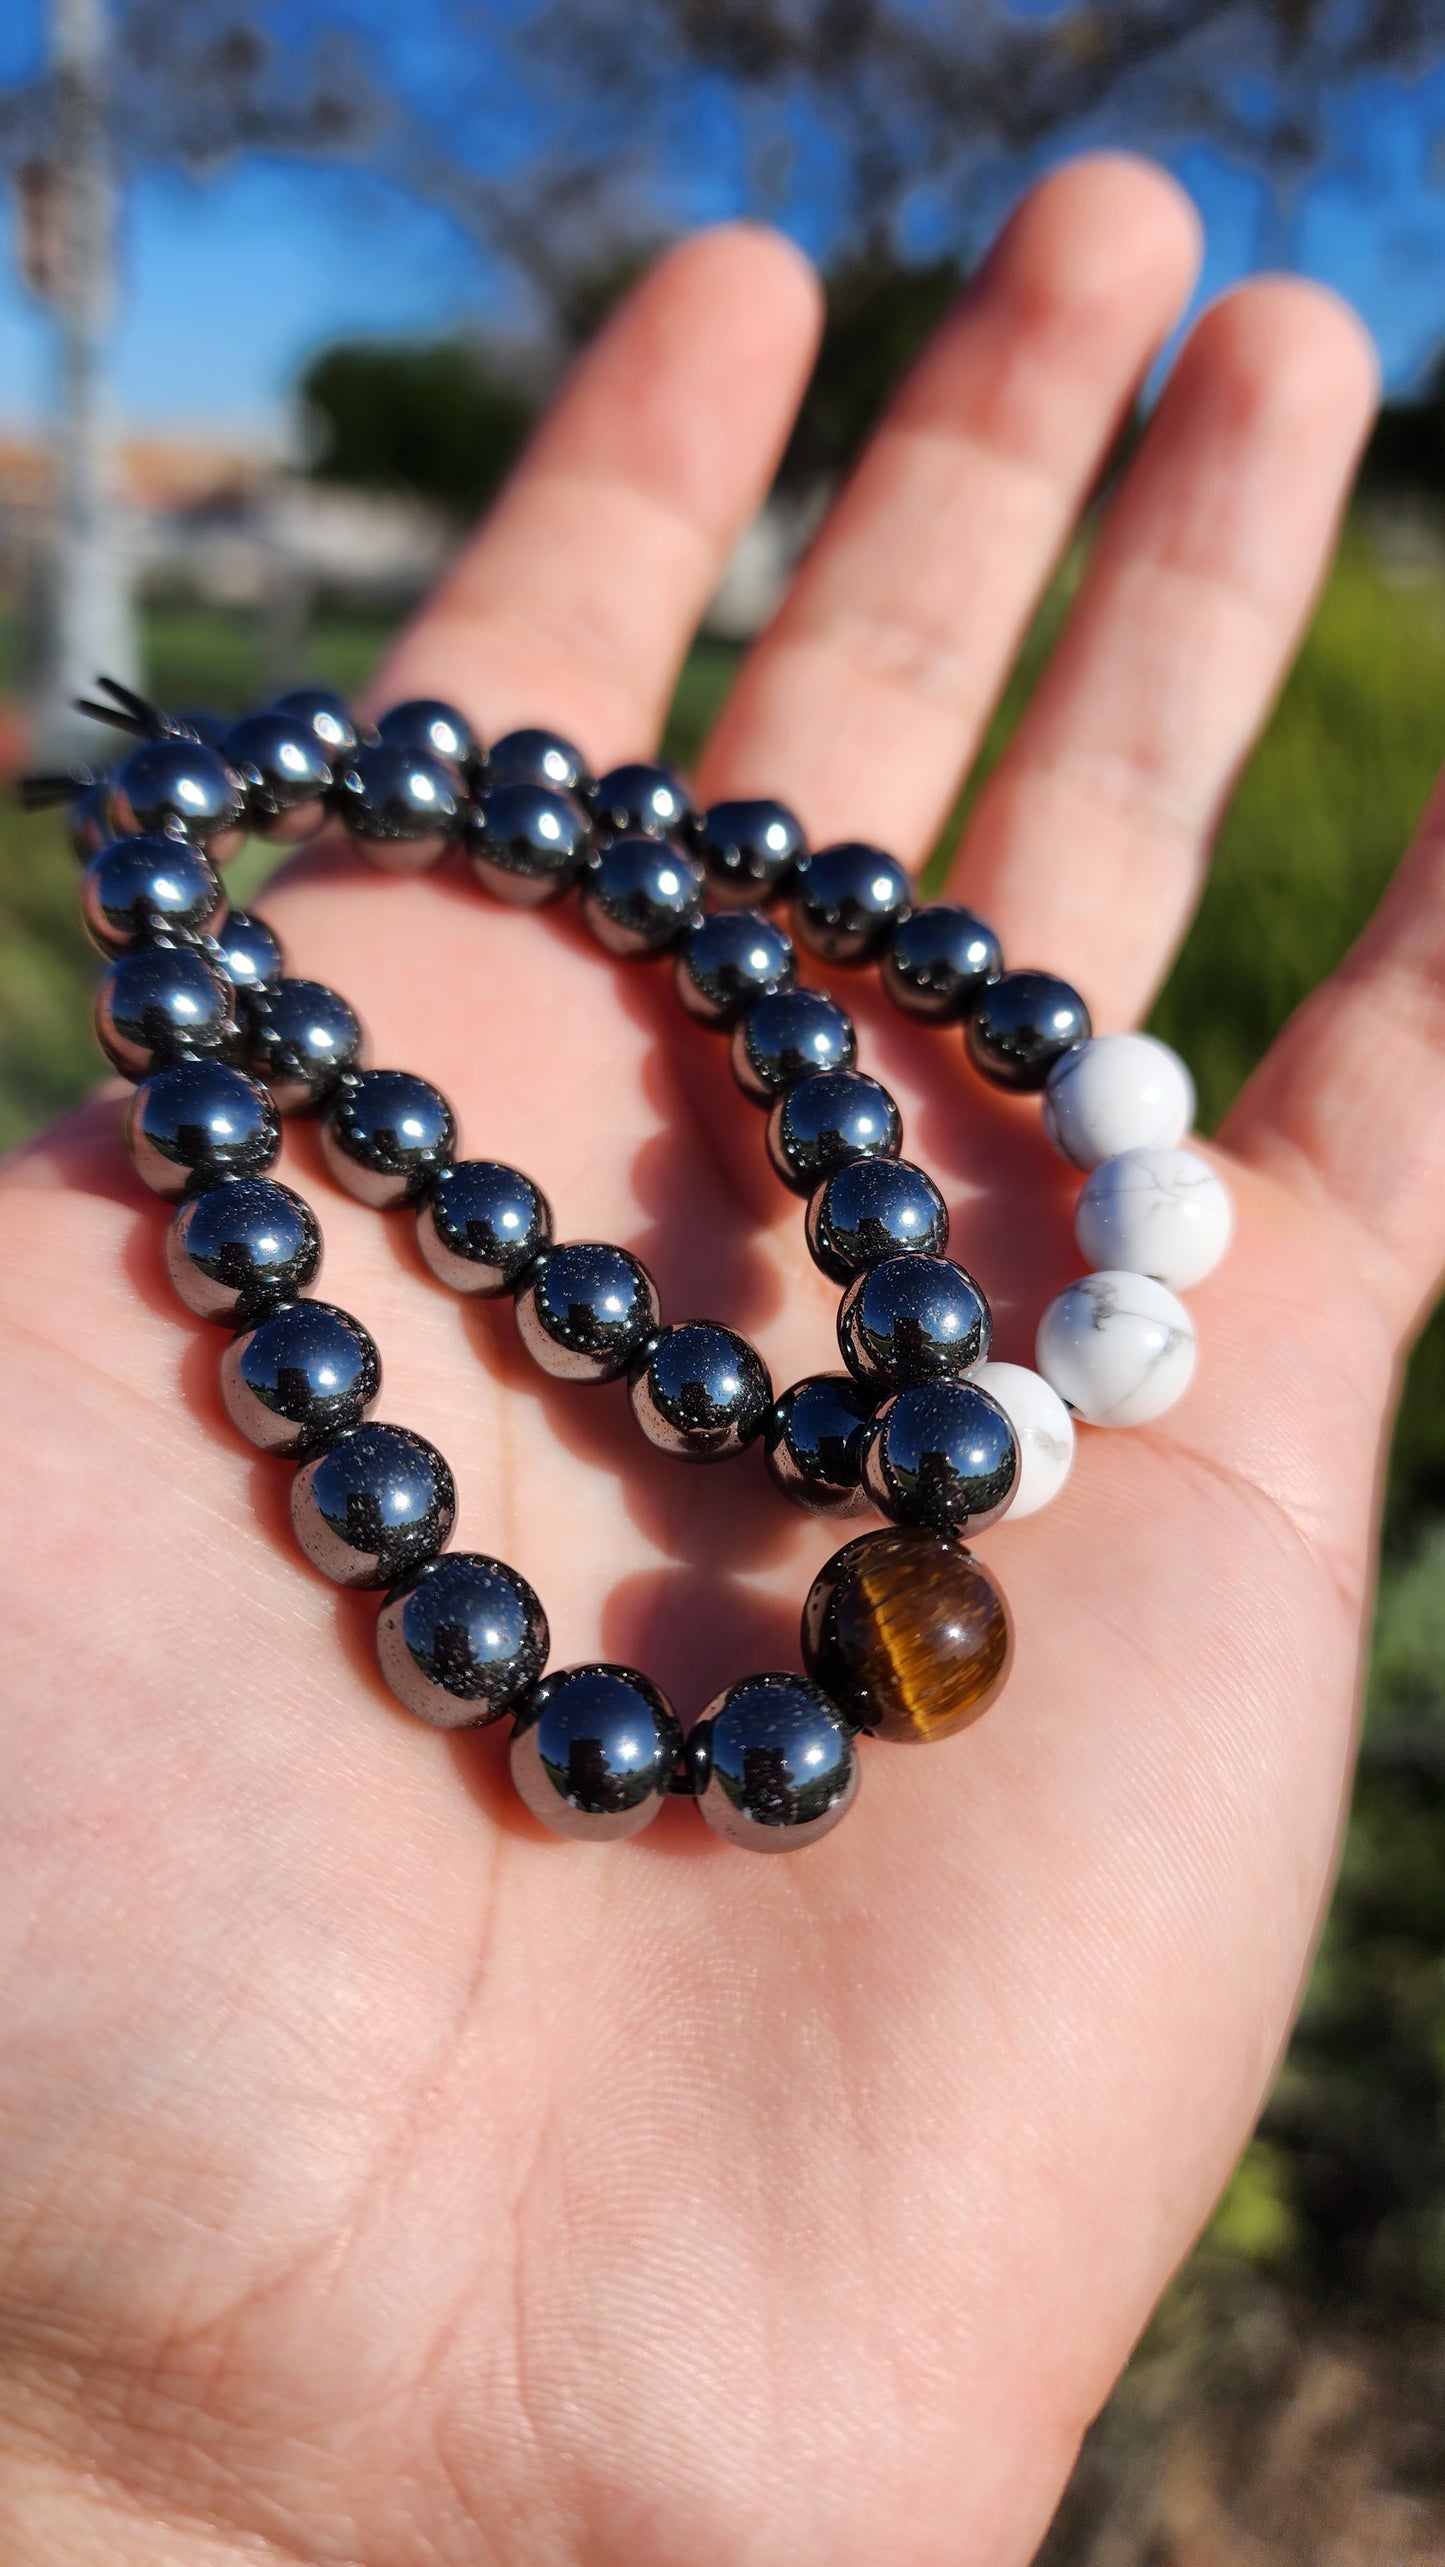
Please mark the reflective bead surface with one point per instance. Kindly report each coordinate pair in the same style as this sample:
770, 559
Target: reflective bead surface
638, 894
748, 849
700, 1392
1118, 1348
826, 1119
786, 1037
909, 1635
844, 900
1155, 1212
286, 773
936, 962
1043, 1427
1021, 1024
163, 1003
375, 1504
871, 1209
1117, 1092
248, 952
913, 1319
585, 1309
593, 1751
237, 1249
304, 1373
300, 1036
424, 723
193, 1125
480, 1225
531, 756
728, 959
92, 821
942, 1454
644, 797
180, 789
402, 807
460, 1638
813, 1440
385, 1134
773, 1764
527, 843
326, 714
136, 889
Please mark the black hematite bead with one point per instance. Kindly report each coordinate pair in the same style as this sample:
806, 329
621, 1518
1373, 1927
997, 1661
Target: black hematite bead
403, 807
748, 849
700, 1392
1022, 1023
538, 757
843, 901
248, 952
942, 1455
304, 1373
730, 959
645, 798
480, 1225
180, 789
375, 1504
936, 962
827, 1119
593, 1751
92, 822
163, 1003
300, 1036
385, 1135
786, 1038
813, 1440
527, 843
192, 1126
773, 1764
459, 1639
326, 714
238, 1249
872, 1209
585, 1309
913, 1319
137, 889
286, 772
423, 723
638, 894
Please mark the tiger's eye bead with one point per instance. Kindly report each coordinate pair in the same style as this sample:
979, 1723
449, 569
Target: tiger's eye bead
402, 807
248, 953
385, 1135
92, 822
376, 1503
527, 843
844, 900
871, 1209
439, 729
773, 1764
748, 850
638, 894
584, 1310
286, 773
700, 1392
460, 1638
909, 1635
163, 1003
785, 1038
138, 889
180, 789
827, 1119
300, 1036
913, 1319
942, 1454
645, 798
538, 757
1021, 1024
304, 1373
936, 962
729, 959
238, 1249
480, 1225
813, 1439
196, 1124
325, 714
593, 1751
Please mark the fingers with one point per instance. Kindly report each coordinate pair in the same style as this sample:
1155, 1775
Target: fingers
1090, 839
576, 599
869, 692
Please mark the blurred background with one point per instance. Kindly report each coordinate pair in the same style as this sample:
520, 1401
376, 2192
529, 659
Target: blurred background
282, 286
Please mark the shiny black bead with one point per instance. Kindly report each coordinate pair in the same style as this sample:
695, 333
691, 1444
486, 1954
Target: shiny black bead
538, 757
788, 1036
304, 1373
584, 1310
638, 894
813, 1441
325, 714
527, 843
386, 1134
594, 1750
248, 953
460, 1638
827, 1119
700, 1392
913, 1319
479, 1225
942, 1455
748, 850
193, 1125
180, 789
872, 1209
376, 1503
1021, 1024
729, 959
300, 1036
286, 773
200, 724
844, 900
92, 822
238, 1249
645, 798
422, 723
936, 962
773, 1764
403, 807
163, 1003
137, 889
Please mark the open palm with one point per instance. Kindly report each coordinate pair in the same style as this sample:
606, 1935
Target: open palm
382, 2181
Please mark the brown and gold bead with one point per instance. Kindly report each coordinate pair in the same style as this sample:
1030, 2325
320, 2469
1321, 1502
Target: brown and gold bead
908, 1634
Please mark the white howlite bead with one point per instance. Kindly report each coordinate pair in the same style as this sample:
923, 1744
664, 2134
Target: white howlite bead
1044, 1428
1155, 1212
1117, 1092
1117, 1347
